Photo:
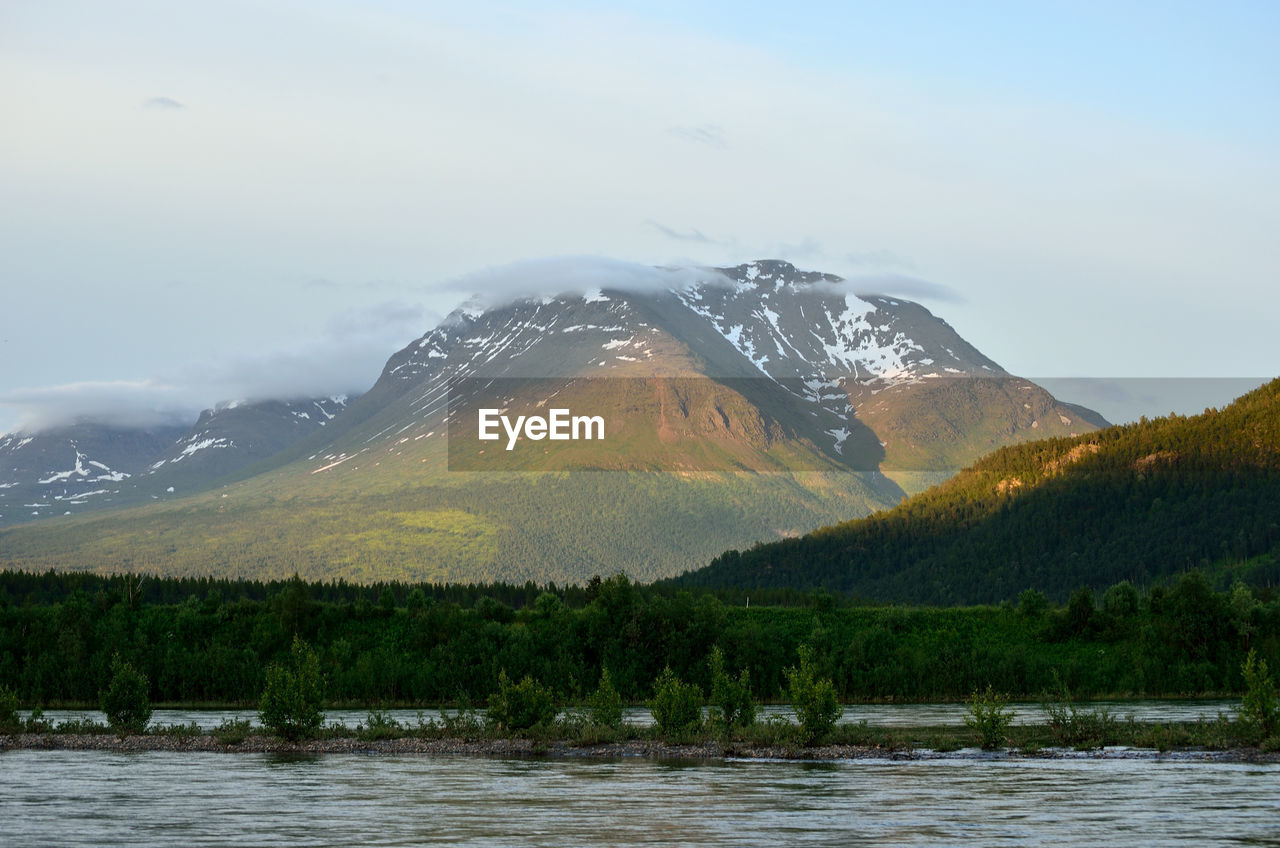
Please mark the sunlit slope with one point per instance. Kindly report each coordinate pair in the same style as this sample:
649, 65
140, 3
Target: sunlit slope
1136, 502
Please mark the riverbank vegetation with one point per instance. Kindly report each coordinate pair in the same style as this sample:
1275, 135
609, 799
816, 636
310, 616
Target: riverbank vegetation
468, 732
214, 641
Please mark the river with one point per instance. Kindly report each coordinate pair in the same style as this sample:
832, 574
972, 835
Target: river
92, 798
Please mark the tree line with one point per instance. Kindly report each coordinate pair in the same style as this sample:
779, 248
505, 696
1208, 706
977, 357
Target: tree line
211, 641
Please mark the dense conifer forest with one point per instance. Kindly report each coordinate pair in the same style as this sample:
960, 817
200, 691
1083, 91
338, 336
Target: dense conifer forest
1138, 502
206, 641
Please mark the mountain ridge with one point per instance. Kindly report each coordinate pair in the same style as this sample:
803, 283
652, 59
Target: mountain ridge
59, 470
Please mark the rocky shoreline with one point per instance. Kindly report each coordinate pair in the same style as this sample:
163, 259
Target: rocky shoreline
646, 749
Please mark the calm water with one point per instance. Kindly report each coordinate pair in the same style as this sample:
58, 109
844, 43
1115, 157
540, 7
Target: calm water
80, 798
884, 715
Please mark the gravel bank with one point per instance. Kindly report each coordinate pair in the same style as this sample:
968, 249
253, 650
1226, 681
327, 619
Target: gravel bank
259, 744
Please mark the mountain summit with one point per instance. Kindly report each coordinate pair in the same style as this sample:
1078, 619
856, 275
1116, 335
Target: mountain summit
738, 405
873, 383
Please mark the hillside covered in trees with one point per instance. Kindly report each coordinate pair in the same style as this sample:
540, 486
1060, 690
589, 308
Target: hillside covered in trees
1137, 502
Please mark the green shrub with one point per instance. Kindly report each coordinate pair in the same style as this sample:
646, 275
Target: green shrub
773, 731
184, 733
379, 725
731, 704
1260, 707
597, 734
292, 699
35, 722
463, 724
126, 700
987, 714
424, 728
9, 721
1076, 727
605, 704
676, 705
83, 726
231, 731
814, 700
520, 706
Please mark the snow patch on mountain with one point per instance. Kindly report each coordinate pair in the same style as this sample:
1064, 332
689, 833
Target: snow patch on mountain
83, 472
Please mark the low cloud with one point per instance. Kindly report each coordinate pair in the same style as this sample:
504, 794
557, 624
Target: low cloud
346, 358
562, 275
163, 103
889, 285
117, 403
574, 275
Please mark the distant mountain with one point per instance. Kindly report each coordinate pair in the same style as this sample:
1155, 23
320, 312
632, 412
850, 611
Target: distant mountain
62, 470
752, 403
74, 469
1137, 502
233, 436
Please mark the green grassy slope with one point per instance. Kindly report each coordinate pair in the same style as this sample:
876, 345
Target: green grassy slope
1134, 502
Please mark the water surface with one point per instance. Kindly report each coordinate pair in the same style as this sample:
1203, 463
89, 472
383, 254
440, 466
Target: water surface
89, 798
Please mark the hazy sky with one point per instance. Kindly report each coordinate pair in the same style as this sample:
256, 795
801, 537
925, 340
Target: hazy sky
203, 201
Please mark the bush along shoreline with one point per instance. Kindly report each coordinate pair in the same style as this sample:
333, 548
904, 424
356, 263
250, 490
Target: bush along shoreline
522, 719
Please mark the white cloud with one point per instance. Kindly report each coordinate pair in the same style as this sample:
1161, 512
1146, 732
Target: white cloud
120, 403
558, 275
901, 285
345, 359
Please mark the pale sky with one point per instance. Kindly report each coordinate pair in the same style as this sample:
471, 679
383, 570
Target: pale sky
216, 200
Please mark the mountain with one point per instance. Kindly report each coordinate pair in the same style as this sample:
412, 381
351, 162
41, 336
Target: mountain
1137, 502
59, 471
794, 343
233, 436
740, 404
74, 469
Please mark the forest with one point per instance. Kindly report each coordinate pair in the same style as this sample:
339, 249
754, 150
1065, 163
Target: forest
1138, 502
210, 641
